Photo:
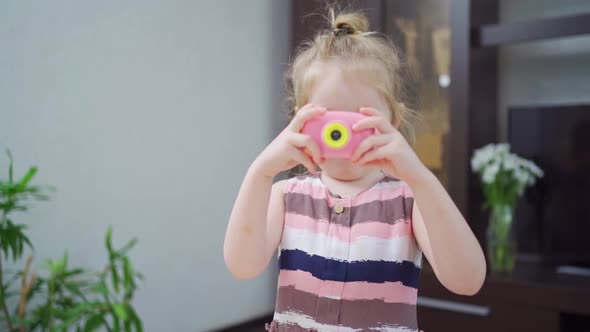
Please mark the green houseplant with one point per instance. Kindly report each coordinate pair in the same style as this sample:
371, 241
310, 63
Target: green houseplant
61, 297
504, 176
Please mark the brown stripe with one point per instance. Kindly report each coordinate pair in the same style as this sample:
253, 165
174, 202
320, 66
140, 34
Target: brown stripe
385, 178
388, 211
358, 314
388, 178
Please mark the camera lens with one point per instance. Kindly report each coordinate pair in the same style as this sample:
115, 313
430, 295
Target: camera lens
336, 135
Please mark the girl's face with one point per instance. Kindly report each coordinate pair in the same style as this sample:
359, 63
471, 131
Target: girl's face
339, 90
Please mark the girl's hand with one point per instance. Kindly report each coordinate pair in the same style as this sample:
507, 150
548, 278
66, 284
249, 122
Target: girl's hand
286, 150
387, 149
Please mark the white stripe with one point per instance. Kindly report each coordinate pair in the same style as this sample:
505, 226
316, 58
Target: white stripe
315, 181
307, 322
308, 179
364, 248
388, 185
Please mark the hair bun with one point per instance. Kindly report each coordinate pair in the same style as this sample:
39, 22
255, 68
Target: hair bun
343, 29
349, 23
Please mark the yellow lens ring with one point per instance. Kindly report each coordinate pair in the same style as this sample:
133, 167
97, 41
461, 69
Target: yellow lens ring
341, 141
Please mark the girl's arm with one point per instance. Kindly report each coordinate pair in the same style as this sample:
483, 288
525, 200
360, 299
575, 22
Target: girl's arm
439, 227
445, 237
255, 226
256, 222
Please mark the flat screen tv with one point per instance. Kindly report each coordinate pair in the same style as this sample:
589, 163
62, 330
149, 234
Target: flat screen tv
552, 220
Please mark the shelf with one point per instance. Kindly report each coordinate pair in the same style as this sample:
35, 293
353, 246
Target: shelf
531, 284
526, 31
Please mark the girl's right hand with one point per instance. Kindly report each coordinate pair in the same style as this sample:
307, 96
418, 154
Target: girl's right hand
286, 150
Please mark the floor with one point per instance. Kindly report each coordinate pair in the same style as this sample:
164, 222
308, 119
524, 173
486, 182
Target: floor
253, 326
250, 329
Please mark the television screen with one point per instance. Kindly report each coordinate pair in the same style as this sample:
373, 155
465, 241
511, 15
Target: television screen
552, 220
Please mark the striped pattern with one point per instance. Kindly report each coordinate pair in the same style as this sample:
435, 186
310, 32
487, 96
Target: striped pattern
351, 271
391, 292
387, 211
362, 248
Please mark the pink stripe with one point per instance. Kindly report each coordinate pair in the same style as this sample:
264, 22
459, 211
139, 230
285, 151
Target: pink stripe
390, 292
379, 195
319, 192
343, 233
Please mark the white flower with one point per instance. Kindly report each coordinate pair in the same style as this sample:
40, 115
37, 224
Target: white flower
521, 176
533, 168
488, 161
482, 157
531, 180
502, 149
490, 172
478, 161
510, 162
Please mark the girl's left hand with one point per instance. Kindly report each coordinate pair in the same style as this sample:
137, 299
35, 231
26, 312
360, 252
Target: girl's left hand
387, 150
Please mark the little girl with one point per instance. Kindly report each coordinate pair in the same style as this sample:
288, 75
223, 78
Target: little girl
351, 236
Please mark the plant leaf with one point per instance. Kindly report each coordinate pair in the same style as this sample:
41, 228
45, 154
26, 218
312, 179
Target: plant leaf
119, 310
73, 315
108, 240
4, 242
135, 319
28, 242
36, 288
22, 184
74, 288
128, 273
116, 323
127, 325
128, 246
59, 265
115, 278
100, 287
94, 322
10, 164
73, 272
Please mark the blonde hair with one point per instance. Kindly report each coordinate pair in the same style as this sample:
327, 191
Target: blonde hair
370, 53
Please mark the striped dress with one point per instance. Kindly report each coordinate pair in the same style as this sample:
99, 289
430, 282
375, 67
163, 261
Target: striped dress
347, 264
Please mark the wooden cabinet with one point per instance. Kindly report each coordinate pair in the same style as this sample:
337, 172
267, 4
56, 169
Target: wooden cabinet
439, 314
533, 298
445, 315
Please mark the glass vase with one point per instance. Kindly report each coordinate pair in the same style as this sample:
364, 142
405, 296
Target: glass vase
501, 244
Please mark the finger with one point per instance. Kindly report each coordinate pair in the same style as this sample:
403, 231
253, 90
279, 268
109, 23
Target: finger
376, 164
374, 122
304, 107
303, 159
369, 143
307, 143
305, 114
378, 122
373, 155
370, 111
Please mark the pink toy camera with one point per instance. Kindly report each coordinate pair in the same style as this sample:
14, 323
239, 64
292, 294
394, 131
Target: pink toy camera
334, 135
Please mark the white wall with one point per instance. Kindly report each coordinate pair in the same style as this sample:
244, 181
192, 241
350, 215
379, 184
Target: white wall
145, 116
545, 72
